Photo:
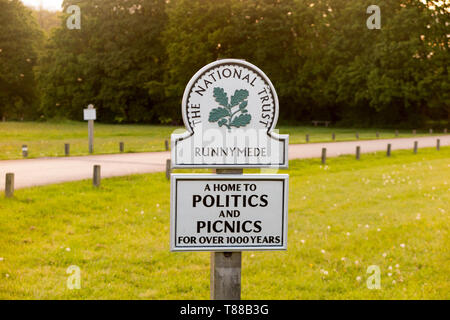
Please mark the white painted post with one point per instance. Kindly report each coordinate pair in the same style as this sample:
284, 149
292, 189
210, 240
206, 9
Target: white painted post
25, 151
91, 132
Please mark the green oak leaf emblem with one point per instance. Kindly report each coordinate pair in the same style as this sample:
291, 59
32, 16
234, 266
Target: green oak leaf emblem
227, 115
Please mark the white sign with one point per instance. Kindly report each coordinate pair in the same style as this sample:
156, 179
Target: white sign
228, 212
230, 110
90, 114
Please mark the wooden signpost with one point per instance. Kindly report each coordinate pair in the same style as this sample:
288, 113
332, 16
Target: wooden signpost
230, 110
90, 115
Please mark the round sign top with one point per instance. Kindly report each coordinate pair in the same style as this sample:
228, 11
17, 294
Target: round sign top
230, 94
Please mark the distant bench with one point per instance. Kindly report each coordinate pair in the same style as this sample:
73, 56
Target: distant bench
317, 122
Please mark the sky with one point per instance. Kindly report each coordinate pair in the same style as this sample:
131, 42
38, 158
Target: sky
52, 5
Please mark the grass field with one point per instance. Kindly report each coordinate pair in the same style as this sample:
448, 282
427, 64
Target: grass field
47, 139
343, 217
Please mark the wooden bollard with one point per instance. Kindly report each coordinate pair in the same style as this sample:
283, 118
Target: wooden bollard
324, 155
388, 152
377, 134
431, 131
358, 152
438, 144
396, 133
307, 138
25, 151
445, 130
168, 168
416, 145
97, 176
166, 145
121, 147
357, 136
9, 185
66, 149
414, 132
333, 136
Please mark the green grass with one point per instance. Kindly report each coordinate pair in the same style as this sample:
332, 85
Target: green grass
391, 212
47, 139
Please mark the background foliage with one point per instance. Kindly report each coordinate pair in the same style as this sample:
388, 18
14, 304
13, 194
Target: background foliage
20, 38
133, 58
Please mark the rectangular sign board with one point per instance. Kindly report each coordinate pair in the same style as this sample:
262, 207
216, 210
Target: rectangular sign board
228, 212
90, 114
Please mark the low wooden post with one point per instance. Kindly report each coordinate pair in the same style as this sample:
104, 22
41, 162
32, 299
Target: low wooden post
438, 144
416, 145
168, 168
166, 145
121, 147
25, 151
388, 152
445, 130
358, 152
396, 133
307, 138
97, 176
225, 276
377, 134
431, 131
357, 136
324, 155
66, 149
9, 185
414, 132
333, 136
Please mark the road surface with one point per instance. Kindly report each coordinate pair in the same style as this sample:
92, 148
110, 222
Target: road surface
42, 171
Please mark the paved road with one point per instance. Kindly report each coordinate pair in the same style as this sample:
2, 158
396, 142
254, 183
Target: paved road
35, 172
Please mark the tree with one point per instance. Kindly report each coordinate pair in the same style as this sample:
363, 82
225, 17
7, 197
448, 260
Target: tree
19, 40
108, 62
